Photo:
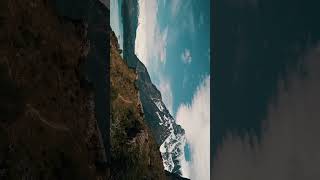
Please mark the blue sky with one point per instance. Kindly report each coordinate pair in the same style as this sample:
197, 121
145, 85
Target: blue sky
116, 20
173, 41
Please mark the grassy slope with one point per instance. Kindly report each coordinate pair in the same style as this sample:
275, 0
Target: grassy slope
135, 154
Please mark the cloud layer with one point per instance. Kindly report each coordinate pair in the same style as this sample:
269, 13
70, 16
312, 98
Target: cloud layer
290, 149
195, 119
151, 41
151, 48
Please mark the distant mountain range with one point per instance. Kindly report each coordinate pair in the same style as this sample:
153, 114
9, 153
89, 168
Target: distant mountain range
167, 133
137, 133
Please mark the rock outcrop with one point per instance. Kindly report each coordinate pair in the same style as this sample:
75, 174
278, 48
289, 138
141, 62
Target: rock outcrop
48, 124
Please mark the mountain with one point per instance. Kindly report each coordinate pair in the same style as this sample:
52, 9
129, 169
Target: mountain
140, 124
134, 151
130, 11
169, 135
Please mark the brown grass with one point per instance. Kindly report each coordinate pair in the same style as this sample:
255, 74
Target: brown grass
135, 155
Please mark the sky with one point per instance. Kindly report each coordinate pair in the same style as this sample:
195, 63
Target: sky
173, 41
116, 20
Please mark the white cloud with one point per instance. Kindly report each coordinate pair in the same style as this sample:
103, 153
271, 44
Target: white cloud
151, 47
289, 149
186, 56
195, 119
161, 47
151, 41
166, 92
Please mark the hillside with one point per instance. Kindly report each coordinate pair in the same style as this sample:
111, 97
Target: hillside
48, 128
135, 154
169, 135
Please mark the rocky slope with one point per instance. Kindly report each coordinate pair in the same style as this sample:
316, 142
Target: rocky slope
167, 133
130, 11
48, 128
135, 145
135, 154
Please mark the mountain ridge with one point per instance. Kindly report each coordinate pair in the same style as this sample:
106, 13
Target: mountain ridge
127, 97
169, 135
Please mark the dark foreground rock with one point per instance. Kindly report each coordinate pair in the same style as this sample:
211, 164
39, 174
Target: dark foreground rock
48, 120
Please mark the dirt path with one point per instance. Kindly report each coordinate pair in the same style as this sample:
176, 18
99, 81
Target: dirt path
56, 126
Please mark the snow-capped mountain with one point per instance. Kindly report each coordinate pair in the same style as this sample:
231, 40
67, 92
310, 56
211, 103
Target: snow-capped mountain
172, 147
169, 135
172, 151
